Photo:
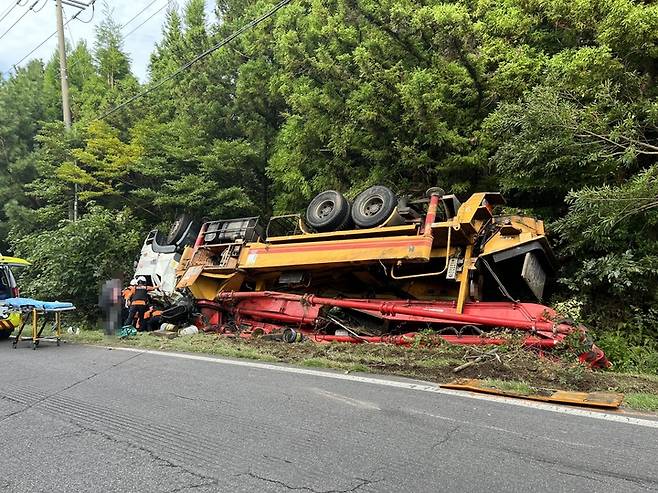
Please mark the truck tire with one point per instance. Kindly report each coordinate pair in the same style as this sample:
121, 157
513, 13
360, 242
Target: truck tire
5, 333
178, 228
328, 211
373, 206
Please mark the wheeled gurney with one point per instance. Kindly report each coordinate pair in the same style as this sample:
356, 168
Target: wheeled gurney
39, 314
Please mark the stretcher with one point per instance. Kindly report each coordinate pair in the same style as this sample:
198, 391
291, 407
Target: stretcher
39, 314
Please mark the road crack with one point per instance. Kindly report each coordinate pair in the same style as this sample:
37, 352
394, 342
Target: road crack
447, 437
582, 470
276, 459
61, 391
68, 434
201, 399
362, 483
161, 461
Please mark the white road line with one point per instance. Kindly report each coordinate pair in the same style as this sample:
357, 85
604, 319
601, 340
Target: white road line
347, 400
525, 436
421, 387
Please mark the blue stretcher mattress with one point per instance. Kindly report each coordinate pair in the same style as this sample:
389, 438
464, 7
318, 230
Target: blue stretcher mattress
46, 306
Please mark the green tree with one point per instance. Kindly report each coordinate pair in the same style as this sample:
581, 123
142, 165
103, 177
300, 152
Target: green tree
112, 62
71, 261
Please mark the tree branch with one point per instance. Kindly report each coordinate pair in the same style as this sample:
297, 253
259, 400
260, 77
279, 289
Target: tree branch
651, 149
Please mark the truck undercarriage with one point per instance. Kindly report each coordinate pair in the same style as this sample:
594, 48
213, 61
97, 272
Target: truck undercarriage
434, 266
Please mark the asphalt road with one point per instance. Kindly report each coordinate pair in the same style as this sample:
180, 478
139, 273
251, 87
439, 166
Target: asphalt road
78, 418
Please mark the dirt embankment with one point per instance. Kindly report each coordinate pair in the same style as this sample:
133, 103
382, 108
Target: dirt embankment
427, 360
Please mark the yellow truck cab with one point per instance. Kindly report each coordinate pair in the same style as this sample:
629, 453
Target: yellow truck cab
9, 320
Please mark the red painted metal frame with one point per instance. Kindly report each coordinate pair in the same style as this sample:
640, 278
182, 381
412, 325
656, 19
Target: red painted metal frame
271, 311
521, 316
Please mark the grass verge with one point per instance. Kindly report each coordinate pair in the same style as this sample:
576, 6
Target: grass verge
513, 369
641, 401
514, 386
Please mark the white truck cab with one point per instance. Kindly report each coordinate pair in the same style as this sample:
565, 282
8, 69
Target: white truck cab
160, 255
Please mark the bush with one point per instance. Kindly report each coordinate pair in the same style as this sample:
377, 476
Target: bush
71, 262
627, 356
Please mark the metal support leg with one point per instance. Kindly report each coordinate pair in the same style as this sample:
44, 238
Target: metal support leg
43, 326
463, 281
20, 331
34, 328
58, 326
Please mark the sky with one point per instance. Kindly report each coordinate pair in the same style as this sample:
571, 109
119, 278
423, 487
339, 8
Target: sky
35, 27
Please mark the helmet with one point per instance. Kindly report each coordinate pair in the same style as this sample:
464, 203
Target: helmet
133, 282
141, 280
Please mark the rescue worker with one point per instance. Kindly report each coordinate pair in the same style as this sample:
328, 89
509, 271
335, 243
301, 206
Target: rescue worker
152, 318
126, 294
139, 301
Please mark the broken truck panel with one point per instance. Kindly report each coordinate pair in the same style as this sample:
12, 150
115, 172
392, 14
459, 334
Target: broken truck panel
606, 400
160, 256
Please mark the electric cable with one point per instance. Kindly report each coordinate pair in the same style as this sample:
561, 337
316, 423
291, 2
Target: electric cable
138, 14
93, 12
11, 9
15, 65
147, 19
44, 4
124, 25
200, 56
66, 25
19, 19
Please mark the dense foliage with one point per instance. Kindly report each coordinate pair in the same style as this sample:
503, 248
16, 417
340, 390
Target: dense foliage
555, 102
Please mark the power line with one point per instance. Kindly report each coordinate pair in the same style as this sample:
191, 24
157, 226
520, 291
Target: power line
91, 4
72, 64
77, 4
66, 24
19, 19
147, 19
44, 4
11, 9
138, 14
201, 56
93, 12
15, 65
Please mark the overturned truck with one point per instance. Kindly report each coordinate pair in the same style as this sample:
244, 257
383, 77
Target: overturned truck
380, 269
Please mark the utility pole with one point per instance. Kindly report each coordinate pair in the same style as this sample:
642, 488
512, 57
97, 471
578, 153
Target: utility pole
66, 107
66, 104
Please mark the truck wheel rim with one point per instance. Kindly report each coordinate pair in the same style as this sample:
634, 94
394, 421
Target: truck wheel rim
372, 206
325, 209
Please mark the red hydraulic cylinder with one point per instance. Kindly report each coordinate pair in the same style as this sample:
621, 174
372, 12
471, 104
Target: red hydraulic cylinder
392, 308
201, 237
279, 317
435, 198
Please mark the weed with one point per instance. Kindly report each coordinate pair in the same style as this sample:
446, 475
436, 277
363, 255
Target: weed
85, 336
438, 362
641, 401
327, 363
572, 374
628, 356
509, 386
